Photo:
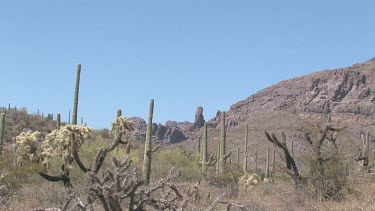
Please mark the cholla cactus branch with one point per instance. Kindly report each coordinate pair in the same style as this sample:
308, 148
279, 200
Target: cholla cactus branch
26, 146
123, 125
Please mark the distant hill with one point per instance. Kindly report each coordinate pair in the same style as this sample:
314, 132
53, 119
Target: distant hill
18, 120
347, 94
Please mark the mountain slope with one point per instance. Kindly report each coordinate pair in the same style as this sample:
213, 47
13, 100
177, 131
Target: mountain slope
344, 92
347, 94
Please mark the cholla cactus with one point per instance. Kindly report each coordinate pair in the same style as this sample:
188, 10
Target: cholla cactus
248, 181
122, 124
26, 146
58, 142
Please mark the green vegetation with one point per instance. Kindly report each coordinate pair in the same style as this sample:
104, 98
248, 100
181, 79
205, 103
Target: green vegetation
74, 167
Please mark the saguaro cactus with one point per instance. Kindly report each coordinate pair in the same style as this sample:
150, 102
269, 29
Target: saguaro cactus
76, 92
238, 157
217, 157
268, 163
245, 149
199, 147
146, 169
256, 161
2, 126
290, 163
117, 131
223, 156
58, 120
210, 161
273, 160
364, 153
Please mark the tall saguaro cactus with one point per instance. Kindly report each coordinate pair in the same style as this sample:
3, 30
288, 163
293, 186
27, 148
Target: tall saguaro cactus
58, 120
223, 156
210, 161
2, 126
268, 163
217, 157
364, 155
146, 169
76, 92
245, 149
199, 147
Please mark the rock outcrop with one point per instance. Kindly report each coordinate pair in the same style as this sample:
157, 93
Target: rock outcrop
199, 118
174, 135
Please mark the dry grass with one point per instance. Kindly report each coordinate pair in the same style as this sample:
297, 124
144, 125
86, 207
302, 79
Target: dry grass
278, 194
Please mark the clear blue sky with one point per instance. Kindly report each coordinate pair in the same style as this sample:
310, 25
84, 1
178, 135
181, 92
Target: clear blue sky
184, 54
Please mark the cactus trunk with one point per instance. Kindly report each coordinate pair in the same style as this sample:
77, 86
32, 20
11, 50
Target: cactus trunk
274, 160
256, 161
210, 161
76, 92
199, 149
245, 149
146, 169
223, 156
268, 163
58, 120
217, 157
2, 126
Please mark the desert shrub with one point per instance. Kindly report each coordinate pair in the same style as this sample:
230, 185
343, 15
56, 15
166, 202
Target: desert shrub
12, 178
178, 158
328, 180
104, 133
229, 181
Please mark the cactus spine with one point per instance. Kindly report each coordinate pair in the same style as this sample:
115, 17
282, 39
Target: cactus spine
76, 92
146, 169
210, 161
2, 126
245, 150
223, 156
58, 121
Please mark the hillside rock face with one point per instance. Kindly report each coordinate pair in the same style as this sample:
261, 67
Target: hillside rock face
174, 135
345, 91
171, 133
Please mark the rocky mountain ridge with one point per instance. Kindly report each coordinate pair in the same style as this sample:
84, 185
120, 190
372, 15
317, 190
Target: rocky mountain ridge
348, 94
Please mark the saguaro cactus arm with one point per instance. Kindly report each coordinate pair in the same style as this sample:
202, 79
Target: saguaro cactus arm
156, 148
204, 161
291, 164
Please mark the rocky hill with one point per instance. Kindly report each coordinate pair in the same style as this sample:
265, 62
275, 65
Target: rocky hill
19, 120
347, 94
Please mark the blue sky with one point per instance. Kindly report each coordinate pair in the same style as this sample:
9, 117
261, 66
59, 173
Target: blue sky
184, 54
